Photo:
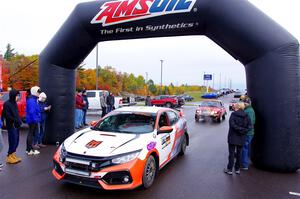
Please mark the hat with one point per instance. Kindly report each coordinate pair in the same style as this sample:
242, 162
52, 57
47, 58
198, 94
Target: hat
42, 97
35, 91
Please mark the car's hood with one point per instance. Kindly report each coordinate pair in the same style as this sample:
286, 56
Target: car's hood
97, 143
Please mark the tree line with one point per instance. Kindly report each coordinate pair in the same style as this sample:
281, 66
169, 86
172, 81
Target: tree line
21, 72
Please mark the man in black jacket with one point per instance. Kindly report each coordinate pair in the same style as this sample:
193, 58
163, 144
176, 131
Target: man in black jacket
13, 122
239, 125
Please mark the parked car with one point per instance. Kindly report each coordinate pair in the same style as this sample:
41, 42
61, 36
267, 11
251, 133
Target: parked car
180, 101
94, 99
165, 100
232, 103
213, 109
4, 96
238, 94
209, 96
187, 98
124, 150
140, 98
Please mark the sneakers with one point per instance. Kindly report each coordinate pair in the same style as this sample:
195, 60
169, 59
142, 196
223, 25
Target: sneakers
41, 145
11, 160
33, 152
238, 172
16, 157
244, 168
35, 147
1, 166
227, 171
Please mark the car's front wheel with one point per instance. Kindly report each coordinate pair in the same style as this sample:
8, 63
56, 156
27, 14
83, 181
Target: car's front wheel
168, 105
149, 172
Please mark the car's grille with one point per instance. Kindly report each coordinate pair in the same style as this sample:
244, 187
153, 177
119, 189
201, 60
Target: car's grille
86, 163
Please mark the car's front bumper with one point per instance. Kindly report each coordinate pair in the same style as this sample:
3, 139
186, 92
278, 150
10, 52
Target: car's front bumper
108, 178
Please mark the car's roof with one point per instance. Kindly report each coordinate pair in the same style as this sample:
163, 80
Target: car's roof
141, 109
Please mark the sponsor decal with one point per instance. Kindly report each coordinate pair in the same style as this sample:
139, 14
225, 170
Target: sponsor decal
151, 146
165, 141
121, 11
93, 144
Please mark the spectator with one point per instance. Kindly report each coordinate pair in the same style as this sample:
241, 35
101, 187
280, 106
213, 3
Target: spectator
1, 143
86, 106
239, 125
78, 110
148, 101
33, 117
44, 109
103, 103
110, 102
12, 121
247, 146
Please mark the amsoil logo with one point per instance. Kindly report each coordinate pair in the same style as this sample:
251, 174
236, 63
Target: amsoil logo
116, 12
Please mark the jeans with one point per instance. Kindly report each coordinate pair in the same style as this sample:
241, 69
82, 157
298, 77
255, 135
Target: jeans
246, 151
78, 118
108, 109
235, 151
84, 116
31, 134
40, 131
13, 140
1, 141
103, 111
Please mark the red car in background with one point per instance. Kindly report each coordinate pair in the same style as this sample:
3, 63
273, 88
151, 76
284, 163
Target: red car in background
213, 109
165, 100
4, 96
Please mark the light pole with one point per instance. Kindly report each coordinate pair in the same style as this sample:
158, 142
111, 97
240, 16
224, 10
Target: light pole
97, 67
161, 71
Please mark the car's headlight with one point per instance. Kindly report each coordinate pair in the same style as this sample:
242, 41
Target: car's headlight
198, 111
126, 158
63, 153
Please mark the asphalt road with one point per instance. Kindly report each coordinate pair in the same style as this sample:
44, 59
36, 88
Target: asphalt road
199, 174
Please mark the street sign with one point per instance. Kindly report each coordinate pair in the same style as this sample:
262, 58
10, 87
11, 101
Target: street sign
207, 77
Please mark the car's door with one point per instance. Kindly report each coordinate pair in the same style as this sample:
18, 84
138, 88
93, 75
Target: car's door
165, 141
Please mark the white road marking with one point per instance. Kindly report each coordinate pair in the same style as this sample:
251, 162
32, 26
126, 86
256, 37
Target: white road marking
294, 193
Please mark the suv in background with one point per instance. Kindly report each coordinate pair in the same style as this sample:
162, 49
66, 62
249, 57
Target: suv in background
165, 100
4, 96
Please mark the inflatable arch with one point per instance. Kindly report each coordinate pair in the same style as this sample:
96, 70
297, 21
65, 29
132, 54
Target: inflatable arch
269, 53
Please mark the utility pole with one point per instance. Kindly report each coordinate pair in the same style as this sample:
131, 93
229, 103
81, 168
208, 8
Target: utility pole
161, 71
213, 77
97, 67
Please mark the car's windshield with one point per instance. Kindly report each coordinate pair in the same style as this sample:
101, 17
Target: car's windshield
209, 104
135, 123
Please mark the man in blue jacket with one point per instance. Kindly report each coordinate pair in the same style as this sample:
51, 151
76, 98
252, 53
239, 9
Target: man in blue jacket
33, 116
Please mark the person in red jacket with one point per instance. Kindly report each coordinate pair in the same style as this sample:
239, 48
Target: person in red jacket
79, 105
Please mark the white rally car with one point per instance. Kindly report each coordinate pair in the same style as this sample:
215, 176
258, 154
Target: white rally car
124, 150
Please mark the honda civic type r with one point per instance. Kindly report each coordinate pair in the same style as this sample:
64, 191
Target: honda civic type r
124, 150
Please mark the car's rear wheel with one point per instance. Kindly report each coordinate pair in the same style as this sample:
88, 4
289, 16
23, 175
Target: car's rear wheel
183, 146
197, 119
149, 172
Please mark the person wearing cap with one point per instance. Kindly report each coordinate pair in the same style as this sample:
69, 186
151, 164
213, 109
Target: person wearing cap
12, 121
44, 109
239, 125
33, 117
247, 146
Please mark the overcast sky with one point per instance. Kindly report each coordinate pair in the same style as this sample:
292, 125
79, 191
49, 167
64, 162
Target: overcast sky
29, 25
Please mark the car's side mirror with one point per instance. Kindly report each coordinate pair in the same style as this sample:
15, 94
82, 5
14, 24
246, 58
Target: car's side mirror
93, 123
165, 129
